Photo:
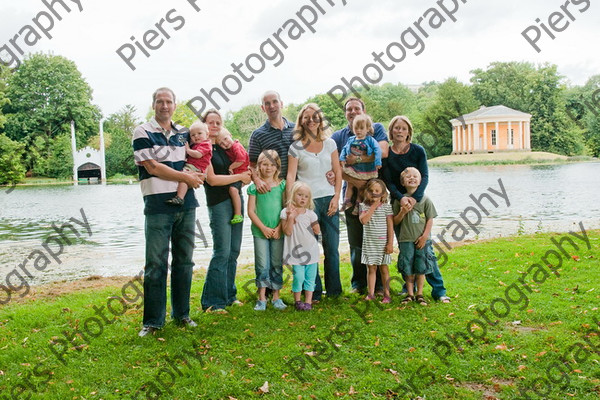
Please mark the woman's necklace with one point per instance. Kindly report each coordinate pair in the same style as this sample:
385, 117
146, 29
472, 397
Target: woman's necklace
401, 150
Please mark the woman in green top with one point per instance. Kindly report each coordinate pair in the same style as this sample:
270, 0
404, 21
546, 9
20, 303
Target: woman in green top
264, 210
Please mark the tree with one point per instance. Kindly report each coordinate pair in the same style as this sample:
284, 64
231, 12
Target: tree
11, 170
4, 75
583, 107
433, 128
46, 93
124, 119
538, 91
60, 158
243, 122
118, 129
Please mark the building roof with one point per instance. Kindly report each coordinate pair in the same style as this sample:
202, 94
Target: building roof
491, 112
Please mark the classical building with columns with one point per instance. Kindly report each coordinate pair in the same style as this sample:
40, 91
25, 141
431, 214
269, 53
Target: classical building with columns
491, 129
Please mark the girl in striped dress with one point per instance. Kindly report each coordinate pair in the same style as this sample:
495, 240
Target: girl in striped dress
378, 234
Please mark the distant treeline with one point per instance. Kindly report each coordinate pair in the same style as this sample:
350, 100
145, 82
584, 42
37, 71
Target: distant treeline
40, 98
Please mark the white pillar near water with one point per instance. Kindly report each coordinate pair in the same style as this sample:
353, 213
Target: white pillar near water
102, 154
74, 150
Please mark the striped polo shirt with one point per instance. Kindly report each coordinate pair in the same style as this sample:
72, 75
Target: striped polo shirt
152, 142
268, 138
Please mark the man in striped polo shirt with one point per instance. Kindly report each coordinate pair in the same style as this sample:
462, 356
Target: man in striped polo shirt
276, 134
159, 152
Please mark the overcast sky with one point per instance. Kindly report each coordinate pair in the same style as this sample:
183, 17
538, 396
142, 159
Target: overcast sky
200, 52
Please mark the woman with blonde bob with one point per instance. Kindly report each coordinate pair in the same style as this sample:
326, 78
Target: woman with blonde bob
403, 154
311, 156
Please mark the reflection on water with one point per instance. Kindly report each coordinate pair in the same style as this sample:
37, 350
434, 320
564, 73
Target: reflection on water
542, 197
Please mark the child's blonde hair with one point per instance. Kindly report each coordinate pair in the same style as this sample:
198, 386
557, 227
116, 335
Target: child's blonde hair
368, 188
406, 171
363, 120
270, 156
297, 186
224, 132
199, 125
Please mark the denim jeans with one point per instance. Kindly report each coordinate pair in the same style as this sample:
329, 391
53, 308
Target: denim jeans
355, 239
160, 229
219, 287
330, 229
434, 279
268, 256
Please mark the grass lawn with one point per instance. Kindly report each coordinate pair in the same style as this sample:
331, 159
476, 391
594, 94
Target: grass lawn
541, 339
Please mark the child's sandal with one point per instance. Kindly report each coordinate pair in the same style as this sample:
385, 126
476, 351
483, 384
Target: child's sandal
237, 219
408, 299
421, 300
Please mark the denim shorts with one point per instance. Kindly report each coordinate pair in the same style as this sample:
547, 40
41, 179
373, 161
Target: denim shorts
413, 261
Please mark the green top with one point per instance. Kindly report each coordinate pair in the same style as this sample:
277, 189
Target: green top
268, 206
413, 224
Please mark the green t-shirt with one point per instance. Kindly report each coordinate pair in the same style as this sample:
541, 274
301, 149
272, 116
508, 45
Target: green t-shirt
268, 206
413, 223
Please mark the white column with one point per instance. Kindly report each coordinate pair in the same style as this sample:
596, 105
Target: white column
485, 144
520, 135
73, 150
102, 154
470, 134
464, 137
454, 144
510, 145
528, 135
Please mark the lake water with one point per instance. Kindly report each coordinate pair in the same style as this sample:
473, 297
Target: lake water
542, 198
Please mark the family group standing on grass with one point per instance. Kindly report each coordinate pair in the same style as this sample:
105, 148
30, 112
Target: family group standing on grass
296, 172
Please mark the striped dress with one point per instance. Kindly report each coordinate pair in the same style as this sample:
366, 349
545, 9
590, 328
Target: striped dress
375, 236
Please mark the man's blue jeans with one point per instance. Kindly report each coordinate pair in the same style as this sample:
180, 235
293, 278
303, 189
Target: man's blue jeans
219, 287
330, 229
160, 229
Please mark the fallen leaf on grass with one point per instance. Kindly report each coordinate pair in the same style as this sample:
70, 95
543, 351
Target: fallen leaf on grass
352, 391
377, 342
391, 371
501, 347
449, 378
521, 367
575, 258
264, 388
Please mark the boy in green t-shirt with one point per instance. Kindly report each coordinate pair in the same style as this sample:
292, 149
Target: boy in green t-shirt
415, 228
